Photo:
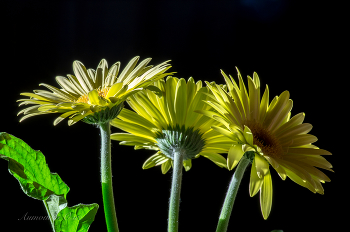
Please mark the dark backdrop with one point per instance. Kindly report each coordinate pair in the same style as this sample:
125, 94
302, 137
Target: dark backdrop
292, 45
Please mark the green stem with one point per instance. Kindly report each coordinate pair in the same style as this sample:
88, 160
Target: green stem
173, 220
231, 195
50, 216
106, 178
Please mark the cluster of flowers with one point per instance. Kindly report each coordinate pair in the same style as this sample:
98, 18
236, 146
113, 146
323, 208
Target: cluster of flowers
171, 116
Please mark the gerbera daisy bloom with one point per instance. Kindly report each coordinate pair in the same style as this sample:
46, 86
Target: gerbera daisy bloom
268, 132
166, 122
96, 97
92, 95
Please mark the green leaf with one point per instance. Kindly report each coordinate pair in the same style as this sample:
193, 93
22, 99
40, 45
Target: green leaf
55, 204
76, 219
30, 169
277, 231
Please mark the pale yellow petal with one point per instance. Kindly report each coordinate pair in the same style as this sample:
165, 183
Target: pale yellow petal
82, 75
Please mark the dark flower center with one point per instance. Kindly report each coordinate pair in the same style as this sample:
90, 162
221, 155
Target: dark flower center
268, 143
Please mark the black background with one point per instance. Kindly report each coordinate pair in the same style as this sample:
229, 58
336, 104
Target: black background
292, 45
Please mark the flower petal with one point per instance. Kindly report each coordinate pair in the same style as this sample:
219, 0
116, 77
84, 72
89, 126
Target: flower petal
181, 101
130, 137
248, 136
307, 151
63, 116
93, 97
261, 165
166, 166
187, 164
264, 105
234, 156
266, 195
255, 182
134, 129
294, 121
82, 75
216, 158
128, 69
150, 162
114, 89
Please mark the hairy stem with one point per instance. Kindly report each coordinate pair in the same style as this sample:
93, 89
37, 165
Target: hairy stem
231, 195
173, 220
106, 179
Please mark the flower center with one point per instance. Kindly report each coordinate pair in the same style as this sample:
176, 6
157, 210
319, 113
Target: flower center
177, 137
101, 92
267, 142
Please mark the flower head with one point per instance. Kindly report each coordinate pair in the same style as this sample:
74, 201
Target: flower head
94, 96
266, 130
165, 120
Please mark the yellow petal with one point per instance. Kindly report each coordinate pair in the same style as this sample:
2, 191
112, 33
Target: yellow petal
63, 116
247, 133
266, 195
281, 172
181, 101
226, 133
187, 164
132, 117
261, 165
128, 69
255, 182
114, 89
308, 151
134, 129
93, 97
150, 162
170, 88
69, 87
244, 96
254, 98
234, 156
293, 131
82, 75
130, 137
77, 118
216, 158
304, 139
166, 166
276, 109
264, 105
113, 73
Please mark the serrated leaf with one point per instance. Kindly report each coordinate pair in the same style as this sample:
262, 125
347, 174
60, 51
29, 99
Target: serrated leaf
76, 219
30, 169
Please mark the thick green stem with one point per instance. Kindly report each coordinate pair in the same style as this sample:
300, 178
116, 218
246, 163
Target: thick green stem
50, 216
173, 220
231, 195
106, 178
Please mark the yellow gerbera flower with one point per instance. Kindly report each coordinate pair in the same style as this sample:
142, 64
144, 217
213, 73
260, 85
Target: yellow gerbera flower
96, 96
167, 120
268, 131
